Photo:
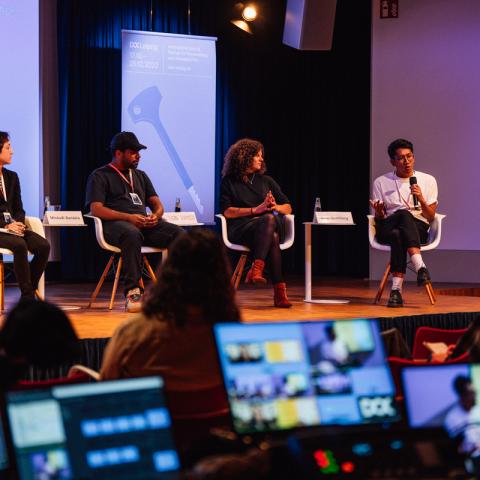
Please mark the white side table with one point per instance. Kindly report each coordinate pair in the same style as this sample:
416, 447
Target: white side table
308, 267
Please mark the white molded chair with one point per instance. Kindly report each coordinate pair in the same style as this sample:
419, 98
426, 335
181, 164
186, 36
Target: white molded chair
237, 273
34, 224
434, 237
116, 251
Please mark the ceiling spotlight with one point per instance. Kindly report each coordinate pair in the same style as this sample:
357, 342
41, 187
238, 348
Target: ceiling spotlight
243, 25
249, 13
245, 15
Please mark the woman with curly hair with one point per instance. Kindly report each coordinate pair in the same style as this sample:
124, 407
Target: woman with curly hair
254, 206
173, 335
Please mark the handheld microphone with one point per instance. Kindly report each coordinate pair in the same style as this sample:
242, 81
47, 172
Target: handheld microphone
413, 181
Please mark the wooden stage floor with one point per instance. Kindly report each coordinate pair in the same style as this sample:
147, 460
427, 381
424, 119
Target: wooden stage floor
256, 304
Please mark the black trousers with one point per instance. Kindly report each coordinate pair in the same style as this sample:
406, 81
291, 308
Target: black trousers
129, 239
28, 275
262, 234
401, 231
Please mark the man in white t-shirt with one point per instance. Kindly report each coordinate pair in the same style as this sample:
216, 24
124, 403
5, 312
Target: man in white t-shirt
463, 419
333, 348
404, 202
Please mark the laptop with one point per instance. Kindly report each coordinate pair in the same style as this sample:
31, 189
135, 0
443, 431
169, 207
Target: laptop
281, 376
119, 429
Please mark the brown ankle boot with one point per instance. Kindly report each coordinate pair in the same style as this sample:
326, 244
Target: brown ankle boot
255, 274
280, 299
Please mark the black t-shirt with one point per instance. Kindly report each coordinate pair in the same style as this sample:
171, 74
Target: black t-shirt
105, 185
236, 193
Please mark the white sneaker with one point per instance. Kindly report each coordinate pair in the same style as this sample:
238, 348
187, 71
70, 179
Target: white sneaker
133, 301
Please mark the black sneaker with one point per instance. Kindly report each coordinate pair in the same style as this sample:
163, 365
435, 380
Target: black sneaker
395, 299
133, 301
423, 277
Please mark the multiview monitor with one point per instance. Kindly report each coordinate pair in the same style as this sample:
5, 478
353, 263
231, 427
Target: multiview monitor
105, 430
281, 376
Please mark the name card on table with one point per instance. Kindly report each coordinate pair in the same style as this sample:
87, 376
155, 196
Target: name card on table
63, 219
181, 218
333, 218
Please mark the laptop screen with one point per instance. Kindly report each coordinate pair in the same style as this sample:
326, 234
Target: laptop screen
433, 394
4, 463
448, 397
105, 430
280, 376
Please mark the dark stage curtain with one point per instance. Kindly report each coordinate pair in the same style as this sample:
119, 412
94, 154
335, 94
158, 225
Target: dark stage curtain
92, 348
91, 356
310, 109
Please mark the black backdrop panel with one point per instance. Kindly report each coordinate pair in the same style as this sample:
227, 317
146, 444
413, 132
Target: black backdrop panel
310, 109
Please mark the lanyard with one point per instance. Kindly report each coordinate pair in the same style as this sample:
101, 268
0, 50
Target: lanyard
3, 189
123, 176
406, 202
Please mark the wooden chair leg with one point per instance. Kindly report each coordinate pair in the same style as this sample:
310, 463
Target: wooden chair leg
150, 269
2, 286
100, 282
381, 287
237, 273
142, 285
430, 293
164, 255
115, 283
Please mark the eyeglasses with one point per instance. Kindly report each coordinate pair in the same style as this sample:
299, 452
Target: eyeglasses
404, 158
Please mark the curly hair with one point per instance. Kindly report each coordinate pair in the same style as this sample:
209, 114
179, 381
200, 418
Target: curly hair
196, 273
239, 158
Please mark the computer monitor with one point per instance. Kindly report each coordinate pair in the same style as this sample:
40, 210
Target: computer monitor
4, 462
433, 394
105, 430
280, 376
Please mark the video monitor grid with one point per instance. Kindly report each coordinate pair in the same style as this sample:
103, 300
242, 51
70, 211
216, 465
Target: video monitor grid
289, 375
107, 430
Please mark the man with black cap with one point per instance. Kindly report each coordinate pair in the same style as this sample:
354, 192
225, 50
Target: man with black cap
119, 193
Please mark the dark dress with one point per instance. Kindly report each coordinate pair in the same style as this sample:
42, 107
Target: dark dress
236, 193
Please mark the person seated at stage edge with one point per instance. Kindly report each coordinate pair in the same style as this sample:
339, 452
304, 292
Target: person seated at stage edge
469, 343
396, 346
398, 222
173, 335
119, 193
255, 206
16, 236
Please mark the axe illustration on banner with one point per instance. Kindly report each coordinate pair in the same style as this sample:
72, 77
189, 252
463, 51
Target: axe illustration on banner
145, 108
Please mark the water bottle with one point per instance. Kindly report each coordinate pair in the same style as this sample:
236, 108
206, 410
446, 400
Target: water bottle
47, 204
317, 208
178, 206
